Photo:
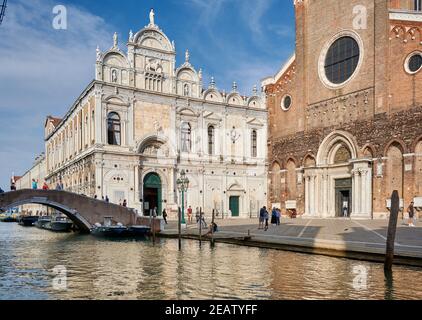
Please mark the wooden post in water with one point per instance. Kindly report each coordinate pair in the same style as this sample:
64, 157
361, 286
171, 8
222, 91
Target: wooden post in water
212, 228
153, 229
200, 227
179, 214
392, 228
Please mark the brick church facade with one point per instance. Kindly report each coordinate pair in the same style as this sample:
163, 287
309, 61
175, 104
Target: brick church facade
345, 112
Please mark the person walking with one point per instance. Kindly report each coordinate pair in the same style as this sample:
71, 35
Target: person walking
190, 214
45, 186
262, 212
411, 212
202, 218
278, 216
274, 216
197, 215
267, 217
107, 199
124, 203
34, 184
165, 216
1, 190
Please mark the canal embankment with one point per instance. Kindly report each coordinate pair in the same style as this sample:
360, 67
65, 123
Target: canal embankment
345, 238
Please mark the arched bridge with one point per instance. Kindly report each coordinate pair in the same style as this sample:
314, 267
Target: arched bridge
83, 211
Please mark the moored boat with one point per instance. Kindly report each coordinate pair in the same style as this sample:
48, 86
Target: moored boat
27, 221
118, 230
58, 224
139, 231
8, 218
42, 221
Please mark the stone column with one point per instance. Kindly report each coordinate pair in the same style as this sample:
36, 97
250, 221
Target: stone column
136, 183
312, 196
307, 211
98, 118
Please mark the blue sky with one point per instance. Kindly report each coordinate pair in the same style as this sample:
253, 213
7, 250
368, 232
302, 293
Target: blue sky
43, 70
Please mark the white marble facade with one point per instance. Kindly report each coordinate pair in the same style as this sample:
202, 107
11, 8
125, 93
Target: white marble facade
166, 121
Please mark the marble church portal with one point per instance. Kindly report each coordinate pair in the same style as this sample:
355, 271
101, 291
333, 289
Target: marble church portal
345, 111
143, 120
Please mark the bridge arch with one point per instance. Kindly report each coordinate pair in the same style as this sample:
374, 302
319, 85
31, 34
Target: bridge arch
83, 211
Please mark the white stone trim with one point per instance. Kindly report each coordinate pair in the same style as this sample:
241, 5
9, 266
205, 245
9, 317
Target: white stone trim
406, 62
406, 16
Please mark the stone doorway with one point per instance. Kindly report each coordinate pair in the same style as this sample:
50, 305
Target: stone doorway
234, 206
343, 190
152, 194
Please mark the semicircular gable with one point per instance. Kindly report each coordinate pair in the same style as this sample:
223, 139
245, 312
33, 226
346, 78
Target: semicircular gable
213, 95
254, 102
115, 59
235, 98
153, 38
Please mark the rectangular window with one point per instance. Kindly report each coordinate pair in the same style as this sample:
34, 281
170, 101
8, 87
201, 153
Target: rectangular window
254, 143
418, 5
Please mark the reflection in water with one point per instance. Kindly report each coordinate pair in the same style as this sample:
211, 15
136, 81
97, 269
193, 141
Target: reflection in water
101, 269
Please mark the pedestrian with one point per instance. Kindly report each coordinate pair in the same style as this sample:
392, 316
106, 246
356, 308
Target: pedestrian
274, 216
34, 184
202, 217
190, 214
197, 215
261, 218
124, 203
213, 229
107, 199
278, 216
45, 186
411, 212
165, 216
1, 190
154, 212
267, 217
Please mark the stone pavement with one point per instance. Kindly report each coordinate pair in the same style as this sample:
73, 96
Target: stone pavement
342, 235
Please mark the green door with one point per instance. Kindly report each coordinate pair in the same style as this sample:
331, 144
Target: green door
153, 193
234, 206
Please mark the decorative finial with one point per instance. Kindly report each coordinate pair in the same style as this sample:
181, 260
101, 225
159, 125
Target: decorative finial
173, 44
212, 83
187, 56
152, 17
255, 90
130, 36
200, 73
115, 40
98, 53
234, 86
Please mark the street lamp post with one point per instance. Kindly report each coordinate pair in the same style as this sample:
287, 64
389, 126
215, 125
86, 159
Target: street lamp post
182, 186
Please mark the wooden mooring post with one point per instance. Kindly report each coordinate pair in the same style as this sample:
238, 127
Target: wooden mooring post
179, 214
392, 228
200, 227
212, 229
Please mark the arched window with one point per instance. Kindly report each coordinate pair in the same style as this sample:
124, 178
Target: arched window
211, 140
186, 137
418, 5
113, 129
254, 144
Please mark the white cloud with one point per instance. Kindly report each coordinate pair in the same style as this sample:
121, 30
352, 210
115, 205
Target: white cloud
42, 71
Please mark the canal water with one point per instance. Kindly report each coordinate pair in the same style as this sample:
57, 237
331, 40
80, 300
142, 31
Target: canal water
101, 269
